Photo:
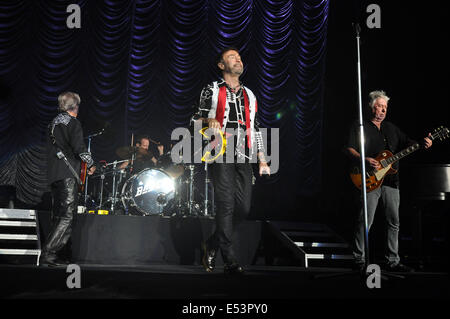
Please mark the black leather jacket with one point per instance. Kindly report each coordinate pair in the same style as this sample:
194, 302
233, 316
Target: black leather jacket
65, 133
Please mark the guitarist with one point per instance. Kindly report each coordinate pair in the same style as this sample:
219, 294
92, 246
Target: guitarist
380, 135
65, 151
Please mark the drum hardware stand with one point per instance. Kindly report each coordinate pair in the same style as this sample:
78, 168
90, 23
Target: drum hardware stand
113, 198
180, 208
207, 182
102, 177
87, 175
123, 198
133, 155
191, 208
191, 189
114, 186
205, 211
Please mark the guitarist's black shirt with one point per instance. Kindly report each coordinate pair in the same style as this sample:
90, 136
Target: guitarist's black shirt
388, 137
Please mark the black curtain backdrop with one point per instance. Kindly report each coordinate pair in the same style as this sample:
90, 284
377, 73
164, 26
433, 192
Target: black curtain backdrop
139, 67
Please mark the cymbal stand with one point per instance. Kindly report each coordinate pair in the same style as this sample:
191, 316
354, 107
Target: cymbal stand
133, 158
87, 176
102, 178
113, 199
191, 189
114, 190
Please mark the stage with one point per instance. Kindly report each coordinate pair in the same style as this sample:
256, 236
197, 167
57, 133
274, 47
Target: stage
147, 240
158, 257
187, 282
140, 69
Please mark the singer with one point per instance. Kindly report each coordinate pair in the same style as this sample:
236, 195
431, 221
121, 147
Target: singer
228, 103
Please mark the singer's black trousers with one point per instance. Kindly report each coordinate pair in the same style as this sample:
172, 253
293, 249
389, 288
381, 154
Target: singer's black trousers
232, 195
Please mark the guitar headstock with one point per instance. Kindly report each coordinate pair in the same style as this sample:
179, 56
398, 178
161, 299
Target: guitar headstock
440, 133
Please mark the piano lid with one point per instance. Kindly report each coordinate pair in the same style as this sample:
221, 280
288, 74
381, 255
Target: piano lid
425, 181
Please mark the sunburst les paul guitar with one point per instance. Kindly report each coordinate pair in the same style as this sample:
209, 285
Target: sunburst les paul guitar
375, 177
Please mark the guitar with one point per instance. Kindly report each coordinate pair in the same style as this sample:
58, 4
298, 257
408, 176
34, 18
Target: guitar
83, 175
375, 177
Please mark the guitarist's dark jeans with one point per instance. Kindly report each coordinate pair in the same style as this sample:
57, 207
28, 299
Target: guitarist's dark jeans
65, 197
232, 195
389, 197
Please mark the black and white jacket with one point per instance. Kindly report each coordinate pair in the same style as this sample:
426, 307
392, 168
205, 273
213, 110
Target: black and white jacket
234, 110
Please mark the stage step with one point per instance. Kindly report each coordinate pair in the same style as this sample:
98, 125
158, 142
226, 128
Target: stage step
16, 225
313, 243
35, 252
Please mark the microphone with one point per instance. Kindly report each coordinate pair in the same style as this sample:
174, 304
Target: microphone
96, 134
357, 28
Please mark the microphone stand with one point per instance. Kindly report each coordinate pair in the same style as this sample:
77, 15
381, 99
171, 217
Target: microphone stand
362, 151
363, 175
363, 168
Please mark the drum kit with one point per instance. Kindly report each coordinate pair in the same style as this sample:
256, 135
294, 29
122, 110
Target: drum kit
123, 187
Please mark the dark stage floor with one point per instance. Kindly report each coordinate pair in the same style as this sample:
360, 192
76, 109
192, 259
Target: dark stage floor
193, 283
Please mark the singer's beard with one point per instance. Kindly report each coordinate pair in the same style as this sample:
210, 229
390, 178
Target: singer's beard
238, 70
234, 70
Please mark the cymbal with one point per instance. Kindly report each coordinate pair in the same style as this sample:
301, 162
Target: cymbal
126, 152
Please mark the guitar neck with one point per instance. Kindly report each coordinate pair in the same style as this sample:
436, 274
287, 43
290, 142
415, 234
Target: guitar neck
403, 153
415, 147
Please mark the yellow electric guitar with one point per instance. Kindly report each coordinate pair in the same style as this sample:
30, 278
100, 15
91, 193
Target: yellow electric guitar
374, 177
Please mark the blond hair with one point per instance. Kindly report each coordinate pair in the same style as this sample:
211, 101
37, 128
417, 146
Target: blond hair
69, 101
375, 95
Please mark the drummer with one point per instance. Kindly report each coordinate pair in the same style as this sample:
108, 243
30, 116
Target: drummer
144, 158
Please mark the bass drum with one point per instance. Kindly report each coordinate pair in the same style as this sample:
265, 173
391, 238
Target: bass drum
150, 192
